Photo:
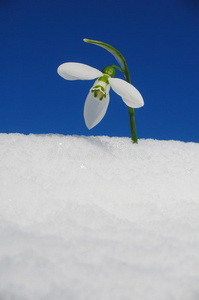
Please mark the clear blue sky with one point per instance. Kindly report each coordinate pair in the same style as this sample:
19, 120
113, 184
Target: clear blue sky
158, 38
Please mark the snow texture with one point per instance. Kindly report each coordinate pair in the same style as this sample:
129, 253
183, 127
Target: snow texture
98, 218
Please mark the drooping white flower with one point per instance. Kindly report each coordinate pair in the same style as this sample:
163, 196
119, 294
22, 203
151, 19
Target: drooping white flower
97, 100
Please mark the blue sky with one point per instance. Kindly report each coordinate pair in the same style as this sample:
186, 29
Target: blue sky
158, 38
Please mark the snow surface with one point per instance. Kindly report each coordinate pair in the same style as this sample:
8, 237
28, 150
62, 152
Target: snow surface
98, 218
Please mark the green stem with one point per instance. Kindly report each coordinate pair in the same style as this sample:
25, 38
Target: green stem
132, 125
120, 69
131, 111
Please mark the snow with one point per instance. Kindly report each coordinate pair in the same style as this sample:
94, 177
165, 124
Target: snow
98, 218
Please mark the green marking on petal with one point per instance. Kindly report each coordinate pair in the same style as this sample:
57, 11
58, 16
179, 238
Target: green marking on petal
98, 87
95, 92
98, 92
104, 78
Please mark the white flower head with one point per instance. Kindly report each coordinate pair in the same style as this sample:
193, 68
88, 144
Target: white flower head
97, 100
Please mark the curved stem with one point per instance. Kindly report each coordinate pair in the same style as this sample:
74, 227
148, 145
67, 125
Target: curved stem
120, 69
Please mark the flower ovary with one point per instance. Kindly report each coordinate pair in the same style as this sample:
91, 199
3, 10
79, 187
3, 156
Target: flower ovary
109, 70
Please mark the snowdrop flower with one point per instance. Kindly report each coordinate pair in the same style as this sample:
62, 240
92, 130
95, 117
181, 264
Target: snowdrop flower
98, 98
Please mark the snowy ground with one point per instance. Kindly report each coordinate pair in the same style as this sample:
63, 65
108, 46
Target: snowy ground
98, 218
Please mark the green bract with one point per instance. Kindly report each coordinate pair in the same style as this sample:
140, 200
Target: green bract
118, 56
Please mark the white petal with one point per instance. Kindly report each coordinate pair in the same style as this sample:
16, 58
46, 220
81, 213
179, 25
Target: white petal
127, 91
74, 71
94, 109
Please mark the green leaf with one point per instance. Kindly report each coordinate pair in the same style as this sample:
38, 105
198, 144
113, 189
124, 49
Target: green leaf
118, 56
